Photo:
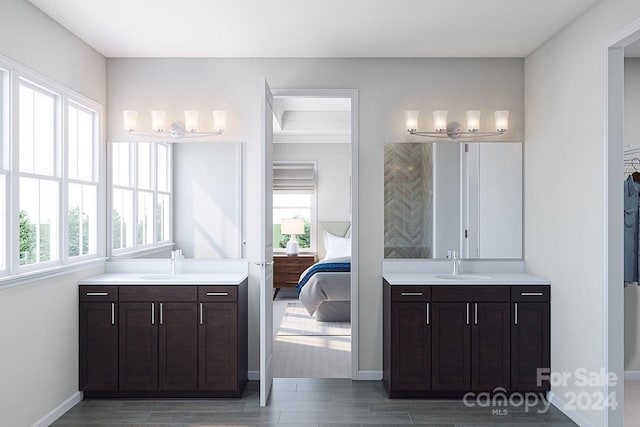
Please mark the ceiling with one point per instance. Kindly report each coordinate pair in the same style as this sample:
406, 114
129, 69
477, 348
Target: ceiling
305, 28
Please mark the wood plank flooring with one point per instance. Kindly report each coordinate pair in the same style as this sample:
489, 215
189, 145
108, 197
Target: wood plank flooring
304, 402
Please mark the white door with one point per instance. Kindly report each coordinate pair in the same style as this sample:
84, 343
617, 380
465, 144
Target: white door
266, 246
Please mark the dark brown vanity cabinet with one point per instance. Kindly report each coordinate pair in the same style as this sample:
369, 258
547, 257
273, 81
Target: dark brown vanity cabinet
530, 337
167, 341
444, 341
98, 338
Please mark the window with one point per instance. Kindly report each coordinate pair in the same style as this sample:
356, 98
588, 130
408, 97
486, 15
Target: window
294, 196
49, 169
141, 195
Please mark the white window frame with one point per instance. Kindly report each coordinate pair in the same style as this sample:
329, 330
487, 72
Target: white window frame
12, 75
133, 186
313, 233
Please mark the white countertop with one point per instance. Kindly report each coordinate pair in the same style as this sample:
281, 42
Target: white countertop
431, 279
121, 279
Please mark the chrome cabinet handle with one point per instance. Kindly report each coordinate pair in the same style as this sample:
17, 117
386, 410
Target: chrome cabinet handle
467, 313
427, 313
516, 313
113, 313
475, 313
97, 294
161, 320
218, 294
201, 314
153, 314
411, 294
531, 294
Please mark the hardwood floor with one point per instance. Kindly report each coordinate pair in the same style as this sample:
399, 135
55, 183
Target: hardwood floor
304, 402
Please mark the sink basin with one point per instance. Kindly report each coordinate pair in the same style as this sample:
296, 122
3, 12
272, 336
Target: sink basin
165, 276
462, 277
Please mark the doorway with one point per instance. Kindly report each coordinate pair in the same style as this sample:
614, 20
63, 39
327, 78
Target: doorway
613, 291
349, 304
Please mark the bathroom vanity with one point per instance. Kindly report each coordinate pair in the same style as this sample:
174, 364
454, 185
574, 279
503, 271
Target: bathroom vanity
446, 335
150, 334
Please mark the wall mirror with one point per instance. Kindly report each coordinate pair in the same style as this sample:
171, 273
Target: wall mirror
189, 193
451, 195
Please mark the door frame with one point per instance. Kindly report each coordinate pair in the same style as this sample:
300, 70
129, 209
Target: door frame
613, 277
353, 95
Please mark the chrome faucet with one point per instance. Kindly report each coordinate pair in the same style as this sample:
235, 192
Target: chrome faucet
456, 263
176, 256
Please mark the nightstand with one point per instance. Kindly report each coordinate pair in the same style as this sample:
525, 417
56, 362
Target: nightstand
287, 270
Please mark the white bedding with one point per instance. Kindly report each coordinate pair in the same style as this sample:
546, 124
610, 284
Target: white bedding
327, 294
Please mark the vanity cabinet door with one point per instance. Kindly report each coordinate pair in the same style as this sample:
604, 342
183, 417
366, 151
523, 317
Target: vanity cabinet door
98, 346
138, 346
451, 346
218, 346
490, 346
178, 346
530, 349
410, 346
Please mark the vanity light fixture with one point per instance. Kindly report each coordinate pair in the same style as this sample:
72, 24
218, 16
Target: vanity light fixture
186, 129
453, 130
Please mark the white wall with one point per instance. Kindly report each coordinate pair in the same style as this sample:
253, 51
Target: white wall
564, 177
446, 183
39, 320
386, 87
333, 174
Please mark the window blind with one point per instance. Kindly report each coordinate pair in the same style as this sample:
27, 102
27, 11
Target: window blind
298, 177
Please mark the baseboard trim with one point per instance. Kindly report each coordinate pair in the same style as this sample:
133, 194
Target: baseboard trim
253, 375
632, 375
575, 416
59, 410
368, 375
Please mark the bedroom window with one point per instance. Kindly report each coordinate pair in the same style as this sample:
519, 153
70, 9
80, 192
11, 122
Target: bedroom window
141, 196
294, 196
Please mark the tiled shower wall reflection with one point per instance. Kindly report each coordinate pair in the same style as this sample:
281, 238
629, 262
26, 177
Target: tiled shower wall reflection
408, 200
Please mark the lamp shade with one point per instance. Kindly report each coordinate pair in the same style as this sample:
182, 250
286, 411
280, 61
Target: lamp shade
129, 118
411, 119
473, 120
191, 120
219, 120
440, 120
157, 120
502, 120
292, 226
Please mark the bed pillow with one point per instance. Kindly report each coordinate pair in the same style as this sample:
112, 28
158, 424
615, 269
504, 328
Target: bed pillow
335, 246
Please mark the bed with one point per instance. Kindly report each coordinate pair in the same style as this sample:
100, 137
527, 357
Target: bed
325, 288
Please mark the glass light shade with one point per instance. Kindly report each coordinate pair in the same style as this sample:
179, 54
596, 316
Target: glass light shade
502, 120
473, 120
157, 120
440, 120
411, 119
219, 120
191, 120
292, 226
129, 118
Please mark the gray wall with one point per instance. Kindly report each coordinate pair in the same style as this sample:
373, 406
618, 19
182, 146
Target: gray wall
563, 152
386, 87
39, 320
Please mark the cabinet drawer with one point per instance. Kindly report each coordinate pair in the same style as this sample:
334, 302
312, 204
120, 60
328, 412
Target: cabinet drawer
464, 293
289, 279
218, 293
410, 293
158, 293
98, 293
530, 293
